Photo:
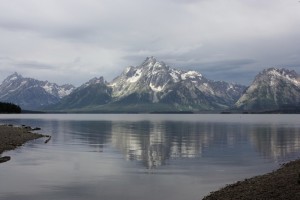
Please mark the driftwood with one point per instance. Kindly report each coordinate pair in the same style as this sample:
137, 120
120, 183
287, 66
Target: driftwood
49, 138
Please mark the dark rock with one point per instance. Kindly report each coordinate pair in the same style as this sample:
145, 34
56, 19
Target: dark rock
28, 128
4, 159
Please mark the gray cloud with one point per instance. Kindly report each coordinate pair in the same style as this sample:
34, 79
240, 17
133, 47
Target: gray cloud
33, 65
223, 65
217, 37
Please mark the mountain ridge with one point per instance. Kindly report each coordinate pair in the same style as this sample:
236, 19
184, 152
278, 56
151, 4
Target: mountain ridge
154, 86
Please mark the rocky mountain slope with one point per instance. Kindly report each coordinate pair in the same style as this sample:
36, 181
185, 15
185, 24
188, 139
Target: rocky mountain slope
93, 93
31, 93
272, 89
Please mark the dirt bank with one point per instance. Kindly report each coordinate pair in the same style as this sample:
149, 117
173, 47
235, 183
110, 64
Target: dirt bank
13, 137
283, 183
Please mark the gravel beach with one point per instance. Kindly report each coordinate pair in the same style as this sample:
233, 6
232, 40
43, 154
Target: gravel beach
13, 137
283, 183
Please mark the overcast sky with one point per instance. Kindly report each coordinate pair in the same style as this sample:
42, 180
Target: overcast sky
72, 41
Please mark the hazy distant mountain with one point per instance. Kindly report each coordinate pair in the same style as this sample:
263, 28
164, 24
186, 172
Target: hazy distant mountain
152, 86
31, 93
93, 93
272, 89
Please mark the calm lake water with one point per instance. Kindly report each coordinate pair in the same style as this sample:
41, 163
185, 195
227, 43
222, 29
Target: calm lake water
143, 157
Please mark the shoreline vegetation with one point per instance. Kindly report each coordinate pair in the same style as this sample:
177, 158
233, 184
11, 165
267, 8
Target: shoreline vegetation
12, 137
9, 108
283, 183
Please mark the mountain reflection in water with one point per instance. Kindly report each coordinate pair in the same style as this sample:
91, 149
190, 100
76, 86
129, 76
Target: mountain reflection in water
153, 143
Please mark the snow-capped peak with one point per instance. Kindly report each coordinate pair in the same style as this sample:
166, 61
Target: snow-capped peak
289, 75
94, 81
56, 90
13, 77
150, 61
271, 89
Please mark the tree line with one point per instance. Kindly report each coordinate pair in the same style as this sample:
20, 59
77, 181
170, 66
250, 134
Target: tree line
9, 108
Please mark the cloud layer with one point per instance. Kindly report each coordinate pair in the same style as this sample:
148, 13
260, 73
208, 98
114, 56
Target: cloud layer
73, 41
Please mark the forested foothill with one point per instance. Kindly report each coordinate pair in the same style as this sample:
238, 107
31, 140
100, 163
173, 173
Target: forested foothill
9, 108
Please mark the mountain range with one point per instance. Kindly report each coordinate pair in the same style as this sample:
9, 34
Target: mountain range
153, 86
30, 93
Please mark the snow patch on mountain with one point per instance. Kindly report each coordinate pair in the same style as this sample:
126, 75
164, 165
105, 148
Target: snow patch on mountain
175, 74
156, 89
191, 75
65, 92
135, 77
48, 88
56, 90
284, 74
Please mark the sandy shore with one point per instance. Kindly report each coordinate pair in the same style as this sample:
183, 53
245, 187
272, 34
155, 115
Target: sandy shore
283, 183
13, 137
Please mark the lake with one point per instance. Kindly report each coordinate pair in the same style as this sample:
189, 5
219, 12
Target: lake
144, 156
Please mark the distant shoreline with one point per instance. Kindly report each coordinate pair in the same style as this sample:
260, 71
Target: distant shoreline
168, 112
283, 183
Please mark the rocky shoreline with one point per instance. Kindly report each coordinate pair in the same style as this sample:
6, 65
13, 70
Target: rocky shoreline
283, 183
12, 137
